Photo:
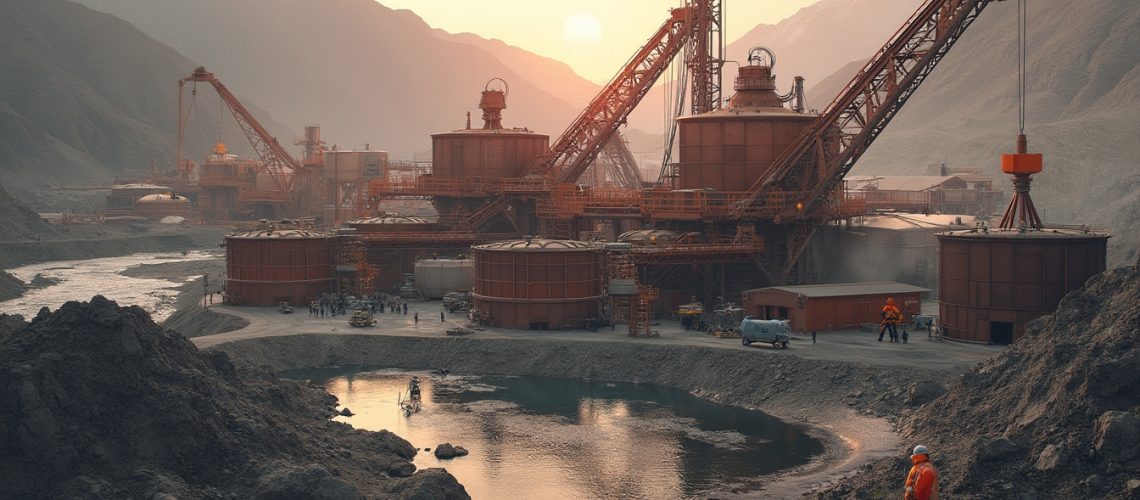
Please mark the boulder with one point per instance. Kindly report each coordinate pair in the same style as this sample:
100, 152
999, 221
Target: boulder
992, 450
286, 482
1117, 435
924, 392
1052, 457
446, 450
430, 484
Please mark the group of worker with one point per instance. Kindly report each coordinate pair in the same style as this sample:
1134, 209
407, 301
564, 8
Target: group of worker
892, 316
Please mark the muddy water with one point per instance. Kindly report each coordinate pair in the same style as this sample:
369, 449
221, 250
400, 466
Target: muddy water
553, 438
82, 279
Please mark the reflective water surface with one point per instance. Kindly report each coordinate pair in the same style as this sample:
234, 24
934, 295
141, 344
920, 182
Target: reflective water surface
553, 438
83, 279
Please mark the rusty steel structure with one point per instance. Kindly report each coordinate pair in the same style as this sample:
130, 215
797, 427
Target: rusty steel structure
577, 147
268, 266
539, 284
294, 186
754, 183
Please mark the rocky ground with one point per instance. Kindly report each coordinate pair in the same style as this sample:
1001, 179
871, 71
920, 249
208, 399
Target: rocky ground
1057, 415
102, 403
10, 287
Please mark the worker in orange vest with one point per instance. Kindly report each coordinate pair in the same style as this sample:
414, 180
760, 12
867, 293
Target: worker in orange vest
922, 481
891, 317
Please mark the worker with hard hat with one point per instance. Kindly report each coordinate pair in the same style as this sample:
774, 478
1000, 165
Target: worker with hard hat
922, 481
891, 317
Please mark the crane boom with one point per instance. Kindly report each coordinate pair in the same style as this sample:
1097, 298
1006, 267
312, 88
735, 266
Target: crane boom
811, 167
275, 159
572, 153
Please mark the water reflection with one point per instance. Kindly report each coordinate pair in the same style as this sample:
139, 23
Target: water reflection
539, 438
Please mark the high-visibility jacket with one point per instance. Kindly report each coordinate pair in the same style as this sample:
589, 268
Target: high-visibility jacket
922, 481
891, 314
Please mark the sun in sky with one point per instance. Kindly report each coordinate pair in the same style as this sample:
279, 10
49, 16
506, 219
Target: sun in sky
582, 29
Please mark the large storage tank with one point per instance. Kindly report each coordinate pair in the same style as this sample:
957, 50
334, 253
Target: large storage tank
267, 267
491, 151
538, 284
730, 148
993, 282
436, 277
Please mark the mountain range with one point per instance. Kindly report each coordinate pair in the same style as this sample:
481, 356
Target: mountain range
84, 98
87, 96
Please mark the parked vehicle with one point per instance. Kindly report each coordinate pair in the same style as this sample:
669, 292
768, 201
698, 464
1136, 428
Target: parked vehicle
768, 331
361, 318
285, 308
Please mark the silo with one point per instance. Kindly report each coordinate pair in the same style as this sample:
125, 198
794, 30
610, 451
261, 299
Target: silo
537, 283
730, 148
488, 152
267, 267
994, 281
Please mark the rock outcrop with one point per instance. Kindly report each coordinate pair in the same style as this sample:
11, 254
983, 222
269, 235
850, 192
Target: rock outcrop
102, 403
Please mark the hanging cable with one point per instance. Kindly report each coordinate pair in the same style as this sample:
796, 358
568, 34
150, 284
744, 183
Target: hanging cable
1022, 56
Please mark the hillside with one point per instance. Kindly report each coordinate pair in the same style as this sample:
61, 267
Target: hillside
366, 73
86, 97
1057, 415
1083, 111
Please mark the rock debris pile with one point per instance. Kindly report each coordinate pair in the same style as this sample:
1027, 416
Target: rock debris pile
1057, 415
99, 402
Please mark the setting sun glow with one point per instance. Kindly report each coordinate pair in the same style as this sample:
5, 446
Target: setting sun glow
582, 28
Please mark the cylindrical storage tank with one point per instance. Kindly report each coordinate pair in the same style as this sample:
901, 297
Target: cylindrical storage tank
485, 153
391, 224
538, 284
162, 205
730, 148
488, 152
267, 267
991, 283
436, 277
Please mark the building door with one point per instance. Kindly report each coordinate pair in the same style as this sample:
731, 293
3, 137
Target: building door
1001, 333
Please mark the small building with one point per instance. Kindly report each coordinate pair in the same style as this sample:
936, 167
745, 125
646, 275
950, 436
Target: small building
831, 306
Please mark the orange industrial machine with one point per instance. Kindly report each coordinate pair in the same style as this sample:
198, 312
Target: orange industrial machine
281, 185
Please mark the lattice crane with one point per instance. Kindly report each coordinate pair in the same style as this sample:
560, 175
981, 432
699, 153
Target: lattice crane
811, 168
696, 24
276, 161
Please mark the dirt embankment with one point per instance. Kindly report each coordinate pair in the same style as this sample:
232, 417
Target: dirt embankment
102, 403
193, 317
1057, 415
845, 399
10, 287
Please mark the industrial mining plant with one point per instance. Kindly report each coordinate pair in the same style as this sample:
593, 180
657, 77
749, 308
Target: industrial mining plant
752, 213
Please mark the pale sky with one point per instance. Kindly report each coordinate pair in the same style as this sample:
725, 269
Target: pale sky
595, 37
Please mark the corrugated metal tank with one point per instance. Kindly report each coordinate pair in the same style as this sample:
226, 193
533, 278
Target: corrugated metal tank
991, 283
728, 149
437, 277
538, 284
492, 151
266, 267
390, 224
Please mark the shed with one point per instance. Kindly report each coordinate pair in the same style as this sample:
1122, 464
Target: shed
831, 306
